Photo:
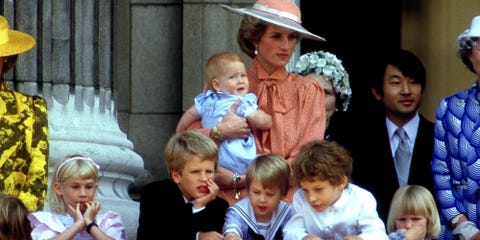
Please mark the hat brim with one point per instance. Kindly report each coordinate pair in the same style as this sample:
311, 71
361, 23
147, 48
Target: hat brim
276, 20
18, 42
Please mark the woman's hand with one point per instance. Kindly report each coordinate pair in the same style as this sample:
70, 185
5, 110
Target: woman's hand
224, 179
232, 125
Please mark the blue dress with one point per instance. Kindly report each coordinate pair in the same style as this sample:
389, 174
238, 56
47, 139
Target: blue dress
233, 153
456, 157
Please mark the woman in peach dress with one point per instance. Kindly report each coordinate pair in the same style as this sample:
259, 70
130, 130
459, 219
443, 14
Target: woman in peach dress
268, 33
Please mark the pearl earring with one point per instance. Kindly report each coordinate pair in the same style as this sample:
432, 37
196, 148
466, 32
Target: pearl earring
256, 52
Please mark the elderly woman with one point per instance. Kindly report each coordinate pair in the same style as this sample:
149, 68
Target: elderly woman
456, 155
328, 70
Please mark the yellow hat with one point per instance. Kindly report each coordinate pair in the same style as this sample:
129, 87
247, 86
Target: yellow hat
13, 42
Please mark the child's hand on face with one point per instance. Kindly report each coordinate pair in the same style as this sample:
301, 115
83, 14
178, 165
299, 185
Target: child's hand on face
210, 196
76, 215
414, 233
91, 212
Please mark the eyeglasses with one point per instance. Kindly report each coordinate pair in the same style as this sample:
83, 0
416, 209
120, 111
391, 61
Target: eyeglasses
473, 43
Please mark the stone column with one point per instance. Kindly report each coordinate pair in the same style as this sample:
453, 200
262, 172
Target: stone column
71, 66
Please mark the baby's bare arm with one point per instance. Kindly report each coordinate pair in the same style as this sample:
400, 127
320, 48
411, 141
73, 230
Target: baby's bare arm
260, 120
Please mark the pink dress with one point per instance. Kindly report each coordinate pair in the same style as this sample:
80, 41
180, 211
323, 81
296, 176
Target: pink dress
47, 225
296, 104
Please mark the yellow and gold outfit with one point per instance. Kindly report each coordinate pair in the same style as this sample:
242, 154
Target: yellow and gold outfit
24, 147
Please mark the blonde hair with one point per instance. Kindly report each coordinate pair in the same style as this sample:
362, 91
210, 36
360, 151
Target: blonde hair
416, 200
270, 170
14, 222
73, 166
216, 65
325, 160
183, 146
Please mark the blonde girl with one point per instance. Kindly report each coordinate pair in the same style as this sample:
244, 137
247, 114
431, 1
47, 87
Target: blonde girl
413, 214
74, 214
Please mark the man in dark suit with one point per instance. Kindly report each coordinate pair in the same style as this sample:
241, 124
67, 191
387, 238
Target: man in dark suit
399, 87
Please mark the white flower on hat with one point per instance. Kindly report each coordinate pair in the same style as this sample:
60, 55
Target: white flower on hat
331, 68
469, 38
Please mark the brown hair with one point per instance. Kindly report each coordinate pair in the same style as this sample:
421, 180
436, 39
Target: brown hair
250, 31
324, 160
14, 222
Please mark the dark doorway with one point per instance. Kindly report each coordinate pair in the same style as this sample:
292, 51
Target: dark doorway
357, 32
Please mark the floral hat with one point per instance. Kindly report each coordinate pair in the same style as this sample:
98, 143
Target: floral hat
283, 13
464, 40
331, 68
13, 42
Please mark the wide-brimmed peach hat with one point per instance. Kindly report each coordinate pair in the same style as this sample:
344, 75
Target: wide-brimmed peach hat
13, 42
283, 13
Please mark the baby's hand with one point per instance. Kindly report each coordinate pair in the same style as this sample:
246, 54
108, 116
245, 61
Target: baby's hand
210, 196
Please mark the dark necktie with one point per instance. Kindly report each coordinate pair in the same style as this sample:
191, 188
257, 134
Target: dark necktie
402, 157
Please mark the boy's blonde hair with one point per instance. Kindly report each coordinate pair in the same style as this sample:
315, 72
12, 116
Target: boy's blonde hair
183, 146
415, 200
215, 65
14, 223
73, 166
271, 171
323, 160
